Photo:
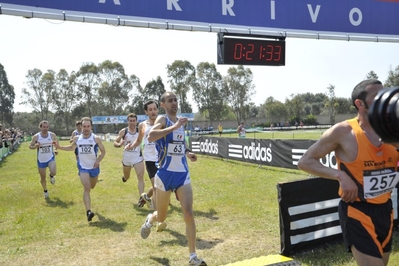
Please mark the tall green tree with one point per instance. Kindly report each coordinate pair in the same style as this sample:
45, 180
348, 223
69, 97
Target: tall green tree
35, 95
65, 95
89, 82
238, 91
275, 110
207, 91
152, 90
371, 75
115, 88
393, 78
331, 104
7, 97
296, 107
181, 76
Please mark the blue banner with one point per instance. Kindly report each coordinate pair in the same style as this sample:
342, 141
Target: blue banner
376, 17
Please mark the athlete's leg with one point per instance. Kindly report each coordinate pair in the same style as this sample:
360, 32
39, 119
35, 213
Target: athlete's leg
185, 194
365, 260
139, 168
163, 198
87, 183
53, 168
42, 173
126, 172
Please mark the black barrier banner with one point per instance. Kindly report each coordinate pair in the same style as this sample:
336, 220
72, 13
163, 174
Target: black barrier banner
279, 153
308, 213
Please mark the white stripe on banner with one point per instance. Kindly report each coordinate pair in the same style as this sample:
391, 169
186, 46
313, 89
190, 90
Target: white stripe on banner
296, 155
235, 151
314, 206
316, 235
195, 146
322, 219
394, 197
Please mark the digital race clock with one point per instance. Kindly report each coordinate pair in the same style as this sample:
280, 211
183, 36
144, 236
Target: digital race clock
243, 50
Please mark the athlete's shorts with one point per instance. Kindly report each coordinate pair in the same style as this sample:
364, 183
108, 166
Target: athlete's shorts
152, 168
366, 226
92, 172
44, 165
166, 180
132, 163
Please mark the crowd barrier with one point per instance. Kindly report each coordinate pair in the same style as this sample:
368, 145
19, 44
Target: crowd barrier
5, 151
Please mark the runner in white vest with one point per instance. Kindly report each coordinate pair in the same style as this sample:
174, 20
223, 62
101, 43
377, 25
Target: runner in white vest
43, 142
89, 160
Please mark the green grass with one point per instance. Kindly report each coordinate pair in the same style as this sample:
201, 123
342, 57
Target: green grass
235, 206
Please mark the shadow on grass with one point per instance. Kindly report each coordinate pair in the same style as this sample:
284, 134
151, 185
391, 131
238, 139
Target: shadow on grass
105, 223
56, 202
210, 214
161, 261
181, 240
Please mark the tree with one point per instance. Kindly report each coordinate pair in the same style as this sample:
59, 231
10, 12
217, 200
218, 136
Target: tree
35, 95
371, 75
207, 91
295, 107
88, 80
114, 89
393, 78
275, 110
331, 104
7, 97
65, 94
152, 90
238, 90
182, 76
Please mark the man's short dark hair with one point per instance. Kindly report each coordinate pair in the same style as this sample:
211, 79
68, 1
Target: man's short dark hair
359, 92
150, 102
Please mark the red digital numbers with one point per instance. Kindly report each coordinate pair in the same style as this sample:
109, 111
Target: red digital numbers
253, 52
270, 52
241, 51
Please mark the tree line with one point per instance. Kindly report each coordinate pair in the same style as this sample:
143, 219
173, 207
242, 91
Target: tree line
106, 89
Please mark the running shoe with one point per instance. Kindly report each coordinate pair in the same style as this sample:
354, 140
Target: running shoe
46, 195
196, 262
147, 200
52, 179
90, 216
141, 202
145, 230
123, 179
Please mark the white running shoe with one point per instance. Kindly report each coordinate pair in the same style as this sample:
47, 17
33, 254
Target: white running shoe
52, 179
46, 195
196, 262
145, 230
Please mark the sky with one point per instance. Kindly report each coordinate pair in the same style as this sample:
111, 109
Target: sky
311, 65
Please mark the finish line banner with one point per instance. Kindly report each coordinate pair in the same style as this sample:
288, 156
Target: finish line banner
370, 17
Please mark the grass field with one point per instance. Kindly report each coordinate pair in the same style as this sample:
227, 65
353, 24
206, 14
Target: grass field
235, 205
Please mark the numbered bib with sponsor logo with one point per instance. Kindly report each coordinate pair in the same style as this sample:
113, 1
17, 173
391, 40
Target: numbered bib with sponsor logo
85, 149
379, 182
176, 149
46, 149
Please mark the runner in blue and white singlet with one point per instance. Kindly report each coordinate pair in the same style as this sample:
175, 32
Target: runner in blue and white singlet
87, 152
43, 142
88, 145
45, 152
173, 173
